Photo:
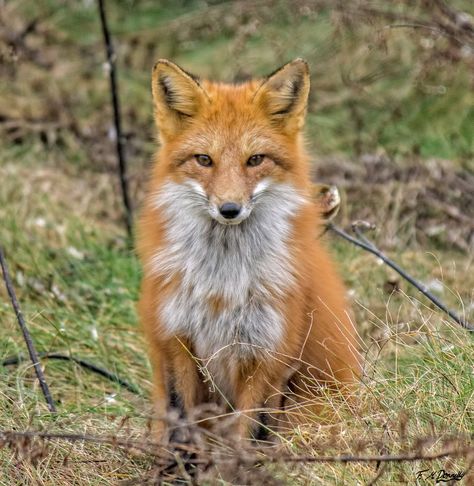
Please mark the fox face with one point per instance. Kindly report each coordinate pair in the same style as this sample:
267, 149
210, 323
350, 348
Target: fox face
230, 144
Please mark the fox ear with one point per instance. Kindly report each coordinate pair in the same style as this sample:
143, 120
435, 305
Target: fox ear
177, 96
284, 94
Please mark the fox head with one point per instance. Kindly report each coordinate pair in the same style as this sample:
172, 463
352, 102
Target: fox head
229, 144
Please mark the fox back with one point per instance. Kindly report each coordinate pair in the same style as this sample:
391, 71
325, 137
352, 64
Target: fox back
234, 274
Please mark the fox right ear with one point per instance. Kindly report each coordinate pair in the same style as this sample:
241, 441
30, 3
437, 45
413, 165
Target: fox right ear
284, 94
177, 96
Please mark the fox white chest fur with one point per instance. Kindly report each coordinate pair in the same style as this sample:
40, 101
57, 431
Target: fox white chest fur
246, 268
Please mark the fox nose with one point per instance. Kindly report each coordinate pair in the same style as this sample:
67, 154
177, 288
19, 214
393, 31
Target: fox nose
230, 210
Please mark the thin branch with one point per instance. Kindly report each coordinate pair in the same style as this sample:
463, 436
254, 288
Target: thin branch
145, 446
26, 334
365, 244
408, 457
16, 359
119, 140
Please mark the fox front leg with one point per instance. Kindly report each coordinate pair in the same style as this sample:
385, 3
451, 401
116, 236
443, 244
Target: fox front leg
259, 395
185, 383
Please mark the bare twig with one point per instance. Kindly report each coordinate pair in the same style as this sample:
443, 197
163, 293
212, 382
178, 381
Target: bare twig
408, 457
165, 452
26, 334
119, 140
365, 244
16, 359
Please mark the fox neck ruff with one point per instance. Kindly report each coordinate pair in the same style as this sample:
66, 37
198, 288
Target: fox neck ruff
232, 278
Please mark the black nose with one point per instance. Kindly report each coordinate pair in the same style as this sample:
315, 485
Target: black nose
230, 210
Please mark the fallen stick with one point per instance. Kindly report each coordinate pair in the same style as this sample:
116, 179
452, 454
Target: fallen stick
365, 244
165, 452
26, 334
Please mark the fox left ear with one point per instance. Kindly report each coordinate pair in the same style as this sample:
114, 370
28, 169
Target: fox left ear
284, 94
177, 97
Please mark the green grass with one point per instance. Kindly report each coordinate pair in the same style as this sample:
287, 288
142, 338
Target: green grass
77, 287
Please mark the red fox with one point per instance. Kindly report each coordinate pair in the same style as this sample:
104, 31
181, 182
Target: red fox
240, 302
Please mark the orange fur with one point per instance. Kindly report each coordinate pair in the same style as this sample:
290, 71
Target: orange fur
230, 123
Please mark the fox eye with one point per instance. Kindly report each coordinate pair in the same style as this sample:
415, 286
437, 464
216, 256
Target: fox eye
203, 159
255, 160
